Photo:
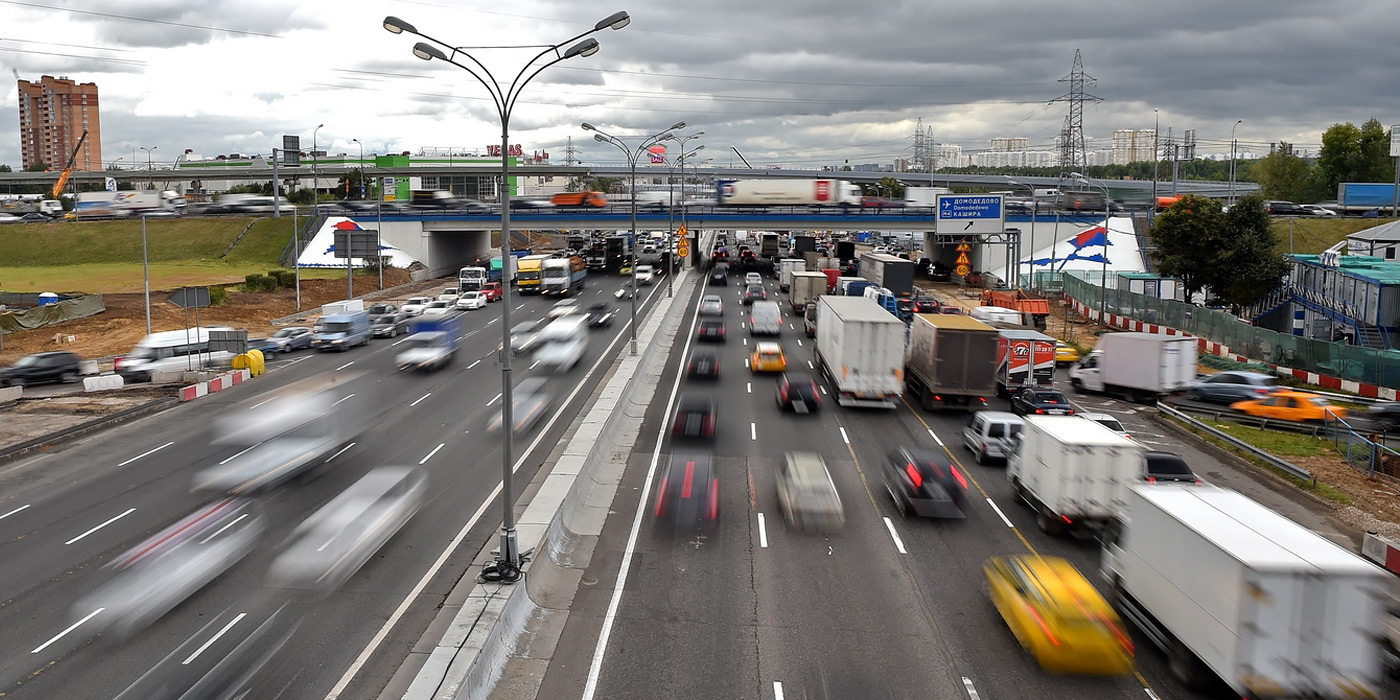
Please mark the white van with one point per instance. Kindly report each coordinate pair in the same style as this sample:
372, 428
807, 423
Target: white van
997, 314
172, 351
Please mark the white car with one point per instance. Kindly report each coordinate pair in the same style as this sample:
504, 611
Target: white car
884, 249
415, 305
439, 308
645, 274
711, 305
753, 278
566, 307
1107, 421
471, 300
1318, 210
450, 294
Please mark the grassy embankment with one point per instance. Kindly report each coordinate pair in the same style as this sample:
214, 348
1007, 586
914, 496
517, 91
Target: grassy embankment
1312, 236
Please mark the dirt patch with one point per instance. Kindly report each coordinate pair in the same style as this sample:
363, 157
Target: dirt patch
30, 419
1376, 500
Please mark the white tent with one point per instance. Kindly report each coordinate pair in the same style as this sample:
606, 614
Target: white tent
1091, 248
320, 252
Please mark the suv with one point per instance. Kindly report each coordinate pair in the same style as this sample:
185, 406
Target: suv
1229, 387
1284, 208
992, 434
42, 367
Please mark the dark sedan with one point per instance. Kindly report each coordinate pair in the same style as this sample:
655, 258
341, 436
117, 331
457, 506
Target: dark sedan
1040, 402
688, 496
695, 416
754, 292
711, 330
1230, 387
599, 315
799, 393
926, 482
1167, 467
704, 364
55, 366
719, 276
925, 305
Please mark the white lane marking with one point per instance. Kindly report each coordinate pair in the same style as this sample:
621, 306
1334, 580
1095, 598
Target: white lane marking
260, 403
129, 511
284, 365
2, 517
1150, 694
753, 431
790, 326
762, 533
746, 341
971, 691
898, 543
213, 639
498, 398
473, 364
347, 398
809, 365
147, 452
843, 434
935, 437
534, 364
230, 459
777, 690
998, 510
72, 627
420, 399
492, 321
746, 362
338, 452
750, 386
823, 390
799, 342
221, 530
397, 342
742, 326
520, 307
347, 364
430, 454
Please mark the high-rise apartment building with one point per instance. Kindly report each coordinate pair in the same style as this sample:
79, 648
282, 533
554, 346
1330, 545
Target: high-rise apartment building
53, 114
1133, 145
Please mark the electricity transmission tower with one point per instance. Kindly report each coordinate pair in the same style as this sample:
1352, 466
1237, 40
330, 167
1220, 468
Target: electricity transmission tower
1073, 155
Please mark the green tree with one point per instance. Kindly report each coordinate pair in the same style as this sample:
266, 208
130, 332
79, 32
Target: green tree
1253, 267
39, 167
5, 168
1284, 175
1190, 237
349, 185
1354, 154
607, 185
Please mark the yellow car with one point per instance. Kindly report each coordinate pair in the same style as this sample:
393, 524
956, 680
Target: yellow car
768, 357
1065, 354
1291, 405
1058, 616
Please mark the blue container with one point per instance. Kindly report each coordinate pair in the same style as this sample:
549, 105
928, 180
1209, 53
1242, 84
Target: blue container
856, 289
48, 299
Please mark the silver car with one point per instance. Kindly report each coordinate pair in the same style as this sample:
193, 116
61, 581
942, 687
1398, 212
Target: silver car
807, 494
530, 401
711, 305
1229, 387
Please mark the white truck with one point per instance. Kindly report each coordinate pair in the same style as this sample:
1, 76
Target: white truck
1228, 588
1137, 366
106, 204
861, 349
1074, 473
787, 266
806, 287
923, 196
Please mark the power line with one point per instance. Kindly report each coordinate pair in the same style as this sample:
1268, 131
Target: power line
145, 20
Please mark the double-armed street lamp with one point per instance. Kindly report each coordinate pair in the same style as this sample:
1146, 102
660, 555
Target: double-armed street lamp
1031, 243
151, 181
633, 154
671, 211
507, 566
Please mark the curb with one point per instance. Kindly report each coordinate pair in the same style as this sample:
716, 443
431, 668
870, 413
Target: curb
122, 416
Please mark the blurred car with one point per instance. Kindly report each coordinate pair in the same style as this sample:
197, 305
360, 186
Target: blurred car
711, 305
415, 305
925, 482
1318, 210
1058, 616
34, 216
599, 315
8, 218
704, 364
798, 392
754, 292
925, 305
1291, 405
471, 300
1229, 387
524, 336
327, 548
1169, 467
695, 416
292, 338
645, 274
451, 294
1384, 416
1065, 354
1107, 421
1040, 402
710, 330
719, 276
439, 308
753, 278
530, 401
807, 494
54, 366
564, 307
267, 346
531, 203
688, 496
389, 325
767, 357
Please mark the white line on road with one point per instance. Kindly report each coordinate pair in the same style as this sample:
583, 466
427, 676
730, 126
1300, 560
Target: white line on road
143, 454
746, 341
473, 364
823, 390
397, 342
799, 342
753, 431
534, 364
347, 364
492, 321
420, 399
762, 533
337, 454
284, 365
898, 543
1150, 694
347, 398
971, 691
935, 437
998, 510
230, 459
498, 398
809, 365
220, 531
790, 326
746, 362
74, 626
750, 386
260, 403
777, 690
213, 639
520, 307
430, 454
129, 511
843, 434
2, 517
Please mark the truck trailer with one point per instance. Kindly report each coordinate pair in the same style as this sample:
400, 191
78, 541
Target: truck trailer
861, 350
806, 286
820, 192
1024, 358
1073, 472
1019, 301
893, 273
1137, 366
951, 362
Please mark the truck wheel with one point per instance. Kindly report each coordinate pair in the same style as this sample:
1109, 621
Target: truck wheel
1077, 385
1049, 524
1185, 667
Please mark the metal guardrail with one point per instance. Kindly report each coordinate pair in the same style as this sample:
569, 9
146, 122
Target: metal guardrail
1350, 398
1313, 429
1285, 466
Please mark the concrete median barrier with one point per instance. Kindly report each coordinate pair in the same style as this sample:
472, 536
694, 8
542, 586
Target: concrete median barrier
11, 393
105, 382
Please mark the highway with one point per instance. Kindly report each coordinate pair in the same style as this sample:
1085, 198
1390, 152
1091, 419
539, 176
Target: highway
886, 607
66, 513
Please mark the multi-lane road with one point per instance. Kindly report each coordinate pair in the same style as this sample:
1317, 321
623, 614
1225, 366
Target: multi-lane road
66, 513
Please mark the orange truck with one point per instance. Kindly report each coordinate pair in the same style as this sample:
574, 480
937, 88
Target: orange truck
1018, 300
579, 199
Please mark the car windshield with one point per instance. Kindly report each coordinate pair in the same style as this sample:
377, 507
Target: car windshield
1110, 423
29, 360
284, 333
335, 327
1167, 464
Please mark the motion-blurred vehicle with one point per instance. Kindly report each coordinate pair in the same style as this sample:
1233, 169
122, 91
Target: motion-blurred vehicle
1058, 616
754, 292
1040, 402
807, 494
1107, 421
1291, 405
719, 276
991, 434
414, 305
55, 366
1318, 210
695, 416
925, 482
1168, 467
1384, 416
711, 305
925, 305
267, 346
530, 202
623, 293
327, 548
1229, 387
450, 294
523, 337
389, 325
799, 393
645, 274
688, 496
431, 345
704, 364
530, 401
158, 574
562, 344
599, 315
292, 338
470, 301
1065, 354
753, 278
710, 330
439, 308
564, 307
341, 331
768, 357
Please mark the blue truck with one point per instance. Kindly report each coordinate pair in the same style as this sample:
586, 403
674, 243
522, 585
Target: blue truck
1361, 197
431, 344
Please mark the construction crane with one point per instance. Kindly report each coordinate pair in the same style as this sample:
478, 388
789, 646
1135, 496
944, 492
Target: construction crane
68, 170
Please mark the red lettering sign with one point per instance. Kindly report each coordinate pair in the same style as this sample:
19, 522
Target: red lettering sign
823, 192
516, 151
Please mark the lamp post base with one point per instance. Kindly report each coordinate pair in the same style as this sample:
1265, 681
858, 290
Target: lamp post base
506, 568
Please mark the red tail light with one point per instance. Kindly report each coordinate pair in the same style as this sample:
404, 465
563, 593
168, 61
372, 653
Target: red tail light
709, 425
117, 363
714, 499
936, 397
1198, 482
1066, 519
661, 499
1151, 479
689, 479
1039, 411
914, 475
679, 424
1071, 412
958, 475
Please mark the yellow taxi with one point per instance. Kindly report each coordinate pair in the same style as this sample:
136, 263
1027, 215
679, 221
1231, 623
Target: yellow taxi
1291, 405
768, 357
1058, 616
1065, 354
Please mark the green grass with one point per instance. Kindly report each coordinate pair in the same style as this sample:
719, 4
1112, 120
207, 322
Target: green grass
168, 240
114, 278
1279, 444
1314, 235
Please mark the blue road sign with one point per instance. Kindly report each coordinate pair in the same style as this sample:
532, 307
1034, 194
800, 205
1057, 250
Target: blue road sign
970, 213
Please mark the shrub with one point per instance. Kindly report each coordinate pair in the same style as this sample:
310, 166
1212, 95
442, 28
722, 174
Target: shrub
285, 278
259, 283
218, 296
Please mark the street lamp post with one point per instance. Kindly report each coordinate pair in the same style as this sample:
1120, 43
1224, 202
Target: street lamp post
1232, 161
151, 178
632, 156
507, 566
695, 249
1031, 244
1156, 161
362, 167
1103, 281
671, 254
315, 171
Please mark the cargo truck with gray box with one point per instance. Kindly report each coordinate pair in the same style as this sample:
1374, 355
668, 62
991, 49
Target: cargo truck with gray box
1137, 366
1074, 473
1230, 589
888, 271
806, 286
951, 362
861, 350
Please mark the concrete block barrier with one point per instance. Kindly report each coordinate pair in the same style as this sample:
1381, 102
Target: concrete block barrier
105, 382
11, 393
1382, 550
194, 391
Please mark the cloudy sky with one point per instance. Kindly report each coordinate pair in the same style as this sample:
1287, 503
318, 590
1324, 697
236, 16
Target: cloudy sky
796, 84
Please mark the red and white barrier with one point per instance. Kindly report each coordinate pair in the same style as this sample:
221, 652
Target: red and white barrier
217, 384
1382, 550
194, 391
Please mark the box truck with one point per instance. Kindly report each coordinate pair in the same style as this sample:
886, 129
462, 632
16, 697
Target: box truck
861, 349
1074, 473
1024, 358
1230, 589
1137, 366
951, 362
892, 273
806, 286
787, 266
